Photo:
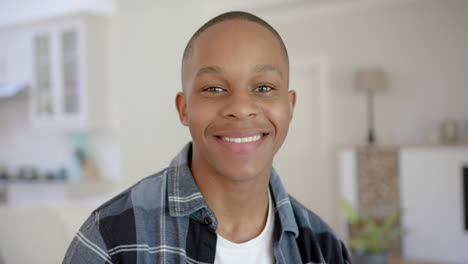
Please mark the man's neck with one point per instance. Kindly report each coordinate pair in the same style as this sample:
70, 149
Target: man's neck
241, 207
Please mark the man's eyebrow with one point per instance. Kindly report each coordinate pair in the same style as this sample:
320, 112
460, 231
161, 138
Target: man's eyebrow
267, 67
209, 69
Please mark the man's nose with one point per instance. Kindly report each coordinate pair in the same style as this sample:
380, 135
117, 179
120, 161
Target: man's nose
240, 106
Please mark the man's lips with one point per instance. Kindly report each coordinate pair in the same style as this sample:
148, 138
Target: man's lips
242, 136
241, 141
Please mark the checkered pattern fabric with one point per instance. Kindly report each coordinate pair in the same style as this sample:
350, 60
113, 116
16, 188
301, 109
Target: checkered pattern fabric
164, 219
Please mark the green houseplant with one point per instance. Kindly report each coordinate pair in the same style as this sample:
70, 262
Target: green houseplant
370, 238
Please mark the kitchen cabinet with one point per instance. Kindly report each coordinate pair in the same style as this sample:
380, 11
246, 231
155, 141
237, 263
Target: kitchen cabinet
15, 56
41, 193
69, 69
3, 58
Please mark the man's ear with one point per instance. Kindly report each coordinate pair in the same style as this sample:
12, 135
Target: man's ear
292, 101
181, 105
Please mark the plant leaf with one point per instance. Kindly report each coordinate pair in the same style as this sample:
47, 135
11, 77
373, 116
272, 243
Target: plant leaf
349, 211
391, 220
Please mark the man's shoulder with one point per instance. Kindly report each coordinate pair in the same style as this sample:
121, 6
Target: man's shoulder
314, 231
143, 194
118, 222
306, 218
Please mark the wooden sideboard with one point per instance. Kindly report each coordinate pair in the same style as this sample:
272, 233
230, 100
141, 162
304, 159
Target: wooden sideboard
399, 260
377, 179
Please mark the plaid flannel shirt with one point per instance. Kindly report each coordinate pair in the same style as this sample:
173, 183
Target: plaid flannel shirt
164, 219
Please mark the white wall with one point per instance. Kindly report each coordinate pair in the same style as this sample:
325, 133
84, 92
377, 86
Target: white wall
303, 161
432, 201
348, 185
151, 36
420, 44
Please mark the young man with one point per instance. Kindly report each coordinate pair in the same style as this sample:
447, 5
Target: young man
220, 201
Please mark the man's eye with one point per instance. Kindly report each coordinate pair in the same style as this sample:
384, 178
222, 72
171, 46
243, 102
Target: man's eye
263, 88
215, 89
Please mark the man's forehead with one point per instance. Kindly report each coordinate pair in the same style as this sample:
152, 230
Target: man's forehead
235, 30
242, 36
221, 38
259, 68
236, 24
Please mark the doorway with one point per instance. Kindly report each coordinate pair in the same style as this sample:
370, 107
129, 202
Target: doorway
305, 162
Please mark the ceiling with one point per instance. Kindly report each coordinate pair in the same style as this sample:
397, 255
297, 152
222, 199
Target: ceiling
279, 8
267, 4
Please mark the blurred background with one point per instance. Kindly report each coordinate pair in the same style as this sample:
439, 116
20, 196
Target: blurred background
87, 109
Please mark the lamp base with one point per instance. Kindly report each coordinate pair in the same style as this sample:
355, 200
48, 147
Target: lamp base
370, 137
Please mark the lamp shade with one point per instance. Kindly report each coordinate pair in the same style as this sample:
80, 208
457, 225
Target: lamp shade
369, 80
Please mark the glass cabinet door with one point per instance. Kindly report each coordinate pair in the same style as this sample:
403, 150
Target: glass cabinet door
44, 96
70, 80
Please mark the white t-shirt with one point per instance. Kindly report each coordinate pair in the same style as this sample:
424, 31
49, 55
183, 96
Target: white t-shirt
258, 250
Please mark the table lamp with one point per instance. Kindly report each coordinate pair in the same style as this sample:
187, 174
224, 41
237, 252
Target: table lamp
370, 81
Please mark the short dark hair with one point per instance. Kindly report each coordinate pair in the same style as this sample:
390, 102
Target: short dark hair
233, 15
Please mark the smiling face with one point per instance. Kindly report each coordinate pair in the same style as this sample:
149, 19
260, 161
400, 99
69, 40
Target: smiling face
236, 100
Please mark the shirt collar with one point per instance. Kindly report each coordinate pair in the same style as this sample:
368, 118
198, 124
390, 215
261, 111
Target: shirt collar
283, 206
184, 197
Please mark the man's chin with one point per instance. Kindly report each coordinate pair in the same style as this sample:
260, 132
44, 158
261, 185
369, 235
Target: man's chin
243, 173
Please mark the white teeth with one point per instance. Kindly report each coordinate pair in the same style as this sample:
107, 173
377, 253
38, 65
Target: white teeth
243, 139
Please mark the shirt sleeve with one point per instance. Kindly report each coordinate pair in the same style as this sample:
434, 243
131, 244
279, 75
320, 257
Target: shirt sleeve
88, 245
335, 251
344, 253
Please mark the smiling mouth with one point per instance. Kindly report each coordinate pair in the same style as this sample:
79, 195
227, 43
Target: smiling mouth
242, 142
242, 139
